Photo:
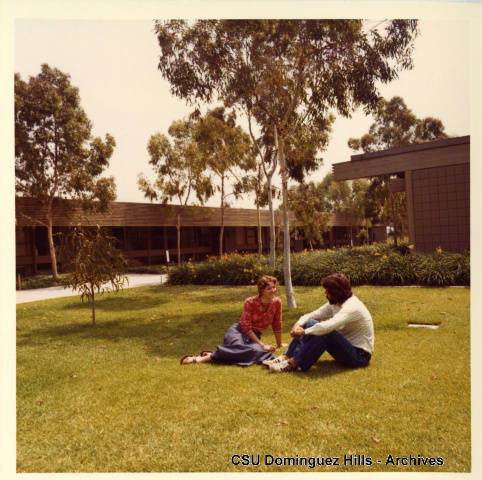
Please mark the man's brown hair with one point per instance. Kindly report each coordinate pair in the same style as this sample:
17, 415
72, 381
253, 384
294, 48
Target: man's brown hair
338, 286
264, 281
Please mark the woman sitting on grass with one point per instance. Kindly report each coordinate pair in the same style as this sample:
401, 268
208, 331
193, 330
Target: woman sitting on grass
242, 341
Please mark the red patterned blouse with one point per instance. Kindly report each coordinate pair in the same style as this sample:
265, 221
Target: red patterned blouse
255, 317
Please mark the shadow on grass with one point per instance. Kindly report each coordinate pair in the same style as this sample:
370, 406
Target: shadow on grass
229, 294
117, 304
325, 368
163, 337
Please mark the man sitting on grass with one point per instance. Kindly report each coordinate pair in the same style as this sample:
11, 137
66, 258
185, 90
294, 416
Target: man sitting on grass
343, 327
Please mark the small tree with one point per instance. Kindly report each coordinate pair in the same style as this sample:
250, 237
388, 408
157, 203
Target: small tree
95, 265
180, 171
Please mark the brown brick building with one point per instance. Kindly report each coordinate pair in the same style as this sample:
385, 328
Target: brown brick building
436, 177
146, 231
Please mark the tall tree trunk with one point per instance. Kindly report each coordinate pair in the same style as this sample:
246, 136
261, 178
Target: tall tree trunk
53, 256
290, 296
272, 232
260, 237
221, 231
93, 307
178, 227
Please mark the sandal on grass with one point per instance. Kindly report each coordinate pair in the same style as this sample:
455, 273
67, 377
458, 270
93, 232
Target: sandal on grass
205, 353
192, 357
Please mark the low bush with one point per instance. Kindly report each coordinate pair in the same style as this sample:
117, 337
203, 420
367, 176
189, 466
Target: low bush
45, 281
147, 269
379, 264
39, 281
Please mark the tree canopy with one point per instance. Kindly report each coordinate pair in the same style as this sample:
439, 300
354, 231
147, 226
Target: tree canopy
325, 63
95, 264
395, 126
226, 150
286, 73
180, 170
309, 203
55, 153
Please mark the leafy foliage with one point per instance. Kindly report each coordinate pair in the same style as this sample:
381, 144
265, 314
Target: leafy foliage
180, 170
96, 264
308, 202
40, 281
379, 264
226, 150
395, 126
55, 154
288, 74
348, 199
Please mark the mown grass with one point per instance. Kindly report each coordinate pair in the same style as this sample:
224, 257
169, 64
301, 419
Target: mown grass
114, 398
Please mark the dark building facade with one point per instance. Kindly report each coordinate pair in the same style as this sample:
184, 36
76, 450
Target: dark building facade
436, 178
146, 233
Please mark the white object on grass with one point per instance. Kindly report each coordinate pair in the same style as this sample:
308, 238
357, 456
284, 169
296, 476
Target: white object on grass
423, 325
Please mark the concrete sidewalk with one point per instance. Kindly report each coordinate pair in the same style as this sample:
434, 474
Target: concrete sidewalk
135, 280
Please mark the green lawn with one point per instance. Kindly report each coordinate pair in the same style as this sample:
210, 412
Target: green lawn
114, 398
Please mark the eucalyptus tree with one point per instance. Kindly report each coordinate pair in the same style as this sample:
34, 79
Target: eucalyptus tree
264, 149
348, 199
55, 153
226, 150
253, 183
309, 203
395, 125
285, 72
180, 171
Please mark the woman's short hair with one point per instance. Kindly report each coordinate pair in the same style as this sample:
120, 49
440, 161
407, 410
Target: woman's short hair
264, 281
338, 287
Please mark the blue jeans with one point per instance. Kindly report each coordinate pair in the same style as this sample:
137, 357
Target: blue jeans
308, 349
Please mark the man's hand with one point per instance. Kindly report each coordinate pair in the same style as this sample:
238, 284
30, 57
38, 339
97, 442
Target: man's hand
297, 331
269, 348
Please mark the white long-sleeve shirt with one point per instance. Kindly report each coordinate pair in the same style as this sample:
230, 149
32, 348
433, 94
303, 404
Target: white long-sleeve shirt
352, 319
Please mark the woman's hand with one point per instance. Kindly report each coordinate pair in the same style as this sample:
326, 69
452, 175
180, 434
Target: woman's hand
268, 348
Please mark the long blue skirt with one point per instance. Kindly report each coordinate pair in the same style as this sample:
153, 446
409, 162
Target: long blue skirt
239, 349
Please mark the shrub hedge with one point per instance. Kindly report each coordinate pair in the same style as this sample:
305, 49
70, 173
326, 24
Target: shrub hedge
379, 264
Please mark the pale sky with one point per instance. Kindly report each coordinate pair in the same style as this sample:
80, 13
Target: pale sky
114, 65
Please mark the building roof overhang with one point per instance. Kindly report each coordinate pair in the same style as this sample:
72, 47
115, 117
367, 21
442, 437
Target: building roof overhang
450, 151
